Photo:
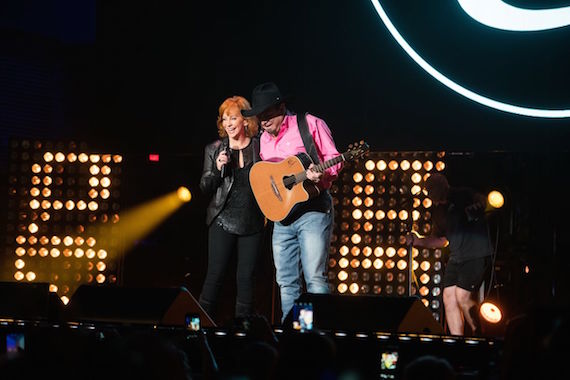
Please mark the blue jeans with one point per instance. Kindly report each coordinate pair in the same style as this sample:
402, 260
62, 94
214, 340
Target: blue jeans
302, 246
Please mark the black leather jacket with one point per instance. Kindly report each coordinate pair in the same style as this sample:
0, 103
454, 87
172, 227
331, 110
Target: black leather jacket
212, 183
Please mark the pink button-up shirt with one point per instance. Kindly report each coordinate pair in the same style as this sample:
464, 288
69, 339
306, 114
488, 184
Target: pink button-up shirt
288, 142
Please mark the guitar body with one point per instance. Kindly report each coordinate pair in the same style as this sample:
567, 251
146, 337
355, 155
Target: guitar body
273, 185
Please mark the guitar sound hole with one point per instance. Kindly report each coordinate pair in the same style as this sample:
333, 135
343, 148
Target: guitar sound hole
289, 181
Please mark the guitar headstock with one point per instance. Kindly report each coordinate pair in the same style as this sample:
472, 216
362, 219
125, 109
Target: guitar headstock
356, 150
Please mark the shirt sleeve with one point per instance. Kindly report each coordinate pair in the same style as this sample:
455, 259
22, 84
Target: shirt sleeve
326, 148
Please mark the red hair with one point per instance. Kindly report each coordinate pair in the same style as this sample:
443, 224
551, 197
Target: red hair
240, 103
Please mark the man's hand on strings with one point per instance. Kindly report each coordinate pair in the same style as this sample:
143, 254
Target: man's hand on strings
313, 175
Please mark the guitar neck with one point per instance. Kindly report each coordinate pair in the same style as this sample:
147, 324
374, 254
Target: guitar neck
300, 177
327, 164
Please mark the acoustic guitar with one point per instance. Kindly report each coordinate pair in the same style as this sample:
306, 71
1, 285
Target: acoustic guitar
280, 186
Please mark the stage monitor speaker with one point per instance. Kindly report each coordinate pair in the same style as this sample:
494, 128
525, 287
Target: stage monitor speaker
369, 313
158, 306
29, 301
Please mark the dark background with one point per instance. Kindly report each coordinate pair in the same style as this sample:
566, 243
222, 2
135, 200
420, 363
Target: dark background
147, 77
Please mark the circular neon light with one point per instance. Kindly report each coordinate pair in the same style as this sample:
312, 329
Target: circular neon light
500, 15
533, 112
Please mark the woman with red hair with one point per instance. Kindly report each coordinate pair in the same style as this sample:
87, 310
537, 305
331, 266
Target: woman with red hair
235, 223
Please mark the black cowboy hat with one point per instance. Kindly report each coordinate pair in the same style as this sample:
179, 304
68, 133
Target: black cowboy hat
263, 96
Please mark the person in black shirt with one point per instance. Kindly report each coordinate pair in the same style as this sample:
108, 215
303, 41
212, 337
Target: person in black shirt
235, 223
459, 222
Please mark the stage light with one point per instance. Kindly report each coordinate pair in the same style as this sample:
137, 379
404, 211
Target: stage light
378, 264
356, 238
19, 264
354, 288
48, 156
490, 312
59, 157
82, 157
105, 193
354, 263
380, 214
184, 194
369, 165
495, 199
355, 251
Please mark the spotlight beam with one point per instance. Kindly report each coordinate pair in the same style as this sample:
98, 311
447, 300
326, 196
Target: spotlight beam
141, 220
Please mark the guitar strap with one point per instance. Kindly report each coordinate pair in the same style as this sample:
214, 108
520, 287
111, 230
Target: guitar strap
307, 138
322, 202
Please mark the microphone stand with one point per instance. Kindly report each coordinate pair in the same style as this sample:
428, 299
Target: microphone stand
410, 246
410, 258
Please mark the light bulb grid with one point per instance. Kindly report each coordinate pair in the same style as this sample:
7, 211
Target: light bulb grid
55, 212
377, 200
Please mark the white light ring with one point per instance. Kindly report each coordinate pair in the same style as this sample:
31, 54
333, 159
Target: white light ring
500, 15
533, 112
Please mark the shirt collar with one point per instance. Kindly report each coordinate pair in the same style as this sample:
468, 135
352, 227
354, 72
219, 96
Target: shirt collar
285, 124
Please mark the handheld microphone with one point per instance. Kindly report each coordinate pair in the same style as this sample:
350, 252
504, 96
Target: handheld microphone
224, 170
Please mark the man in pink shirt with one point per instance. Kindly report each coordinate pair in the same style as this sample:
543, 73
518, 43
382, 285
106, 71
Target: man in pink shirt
301, 242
